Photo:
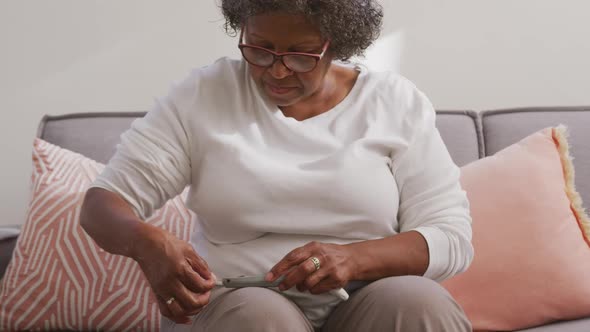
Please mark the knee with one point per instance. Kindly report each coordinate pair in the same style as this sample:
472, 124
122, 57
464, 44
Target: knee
412, 297
260, 309
416, 294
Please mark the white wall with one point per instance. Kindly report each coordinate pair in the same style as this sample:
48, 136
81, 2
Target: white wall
483, 54
65, 56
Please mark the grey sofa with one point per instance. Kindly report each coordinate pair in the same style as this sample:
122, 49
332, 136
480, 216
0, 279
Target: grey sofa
469, 135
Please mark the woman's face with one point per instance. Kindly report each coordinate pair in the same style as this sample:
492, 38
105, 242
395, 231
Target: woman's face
287, 33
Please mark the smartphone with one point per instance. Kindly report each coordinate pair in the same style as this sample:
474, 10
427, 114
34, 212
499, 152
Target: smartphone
258, 281
244, 281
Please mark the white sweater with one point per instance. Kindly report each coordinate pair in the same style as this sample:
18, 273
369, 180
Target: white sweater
263, 184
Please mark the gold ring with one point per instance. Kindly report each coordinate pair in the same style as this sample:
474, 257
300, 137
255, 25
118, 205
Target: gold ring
170, 300
316, 262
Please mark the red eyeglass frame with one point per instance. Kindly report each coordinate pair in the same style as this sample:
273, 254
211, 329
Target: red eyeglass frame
279, 55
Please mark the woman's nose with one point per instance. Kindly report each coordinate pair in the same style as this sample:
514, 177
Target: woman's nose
278, 70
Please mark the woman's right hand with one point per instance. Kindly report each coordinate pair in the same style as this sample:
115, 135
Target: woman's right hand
174, 270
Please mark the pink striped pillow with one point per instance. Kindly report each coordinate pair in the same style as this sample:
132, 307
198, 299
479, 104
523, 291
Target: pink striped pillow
58, 277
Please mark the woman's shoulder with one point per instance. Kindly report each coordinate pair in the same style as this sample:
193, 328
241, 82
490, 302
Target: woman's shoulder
400, 97
223, 67
206, 89
391, 83
219, 74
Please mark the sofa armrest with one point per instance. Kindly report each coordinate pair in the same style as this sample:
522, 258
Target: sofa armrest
8, 237
6, 248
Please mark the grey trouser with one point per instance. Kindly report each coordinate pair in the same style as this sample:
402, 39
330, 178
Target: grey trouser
408, 303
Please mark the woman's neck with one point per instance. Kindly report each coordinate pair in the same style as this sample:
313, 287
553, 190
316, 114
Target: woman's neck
337, 84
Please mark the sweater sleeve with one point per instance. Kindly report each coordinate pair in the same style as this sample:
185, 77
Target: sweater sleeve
432, 201
152, 162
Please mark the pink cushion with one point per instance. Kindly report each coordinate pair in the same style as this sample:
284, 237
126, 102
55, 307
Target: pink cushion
58, 278
532, 255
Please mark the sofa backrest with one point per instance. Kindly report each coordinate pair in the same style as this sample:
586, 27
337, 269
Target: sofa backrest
468, 135
501, 128
461, 132
94, 135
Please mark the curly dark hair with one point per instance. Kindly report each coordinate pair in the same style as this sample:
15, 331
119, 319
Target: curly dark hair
351, 25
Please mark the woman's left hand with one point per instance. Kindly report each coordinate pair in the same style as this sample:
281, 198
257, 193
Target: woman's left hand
335, 269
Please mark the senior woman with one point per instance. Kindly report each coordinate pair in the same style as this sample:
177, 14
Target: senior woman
301, 167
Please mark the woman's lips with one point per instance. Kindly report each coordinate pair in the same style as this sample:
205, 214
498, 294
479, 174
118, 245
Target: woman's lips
279, 90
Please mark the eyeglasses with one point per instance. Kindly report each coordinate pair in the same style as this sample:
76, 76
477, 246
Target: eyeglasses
298, 62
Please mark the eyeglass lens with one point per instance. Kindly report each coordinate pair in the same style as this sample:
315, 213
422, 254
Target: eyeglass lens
262, 58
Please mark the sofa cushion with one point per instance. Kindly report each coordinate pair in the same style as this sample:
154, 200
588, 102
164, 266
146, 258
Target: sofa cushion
530, 235
578, 325
59, 279
504, 127
461, 132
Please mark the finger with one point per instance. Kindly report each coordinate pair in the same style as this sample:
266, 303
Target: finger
201, 298
185, 301
297, 275
164, 308
194, 282
194, 301
198, 264
173, 312
325, 285
313, 279
177, 311
190, 302
291, 260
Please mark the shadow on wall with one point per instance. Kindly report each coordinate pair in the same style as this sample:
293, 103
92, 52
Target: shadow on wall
386, 52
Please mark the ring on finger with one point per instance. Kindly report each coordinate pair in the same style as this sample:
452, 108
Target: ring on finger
316, 262
170, 300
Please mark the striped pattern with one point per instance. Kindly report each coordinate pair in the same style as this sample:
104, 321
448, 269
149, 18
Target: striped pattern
58, 278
